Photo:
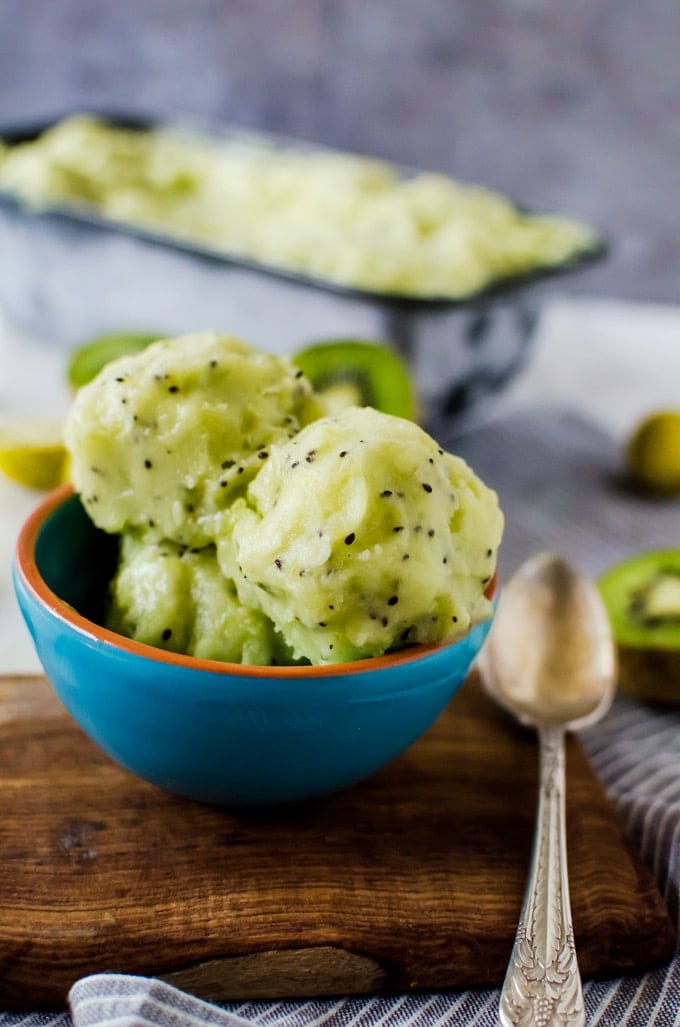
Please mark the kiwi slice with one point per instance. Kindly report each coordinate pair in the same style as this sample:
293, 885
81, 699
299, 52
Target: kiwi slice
350, 372
642, 596
87, 360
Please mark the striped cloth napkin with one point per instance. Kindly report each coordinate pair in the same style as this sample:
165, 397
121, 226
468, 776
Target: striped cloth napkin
559, 485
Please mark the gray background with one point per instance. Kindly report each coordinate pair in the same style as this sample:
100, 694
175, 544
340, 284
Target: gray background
566, 104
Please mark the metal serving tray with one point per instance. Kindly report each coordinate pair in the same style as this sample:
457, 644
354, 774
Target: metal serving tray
68, 275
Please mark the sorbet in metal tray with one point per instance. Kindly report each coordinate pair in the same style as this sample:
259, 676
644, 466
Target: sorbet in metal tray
106, 225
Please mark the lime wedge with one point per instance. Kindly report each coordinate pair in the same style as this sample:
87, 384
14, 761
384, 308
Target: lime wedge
87, 360
33, 454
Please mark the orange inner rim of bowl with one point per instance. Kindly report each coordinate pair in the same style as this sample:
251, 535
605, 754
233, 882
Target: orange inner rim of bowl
28, 569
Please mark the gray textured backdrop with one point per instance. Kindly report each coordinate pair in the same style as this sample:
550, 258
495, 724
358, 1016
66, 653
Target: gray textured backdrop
569, 105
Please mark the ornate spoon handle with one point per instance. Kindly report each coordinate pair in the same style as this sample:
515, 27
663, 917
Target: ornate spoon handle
542, 984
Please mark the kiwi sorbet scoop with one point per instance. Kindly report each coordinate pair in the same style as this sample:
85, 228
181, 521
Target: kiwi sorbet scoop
254, 528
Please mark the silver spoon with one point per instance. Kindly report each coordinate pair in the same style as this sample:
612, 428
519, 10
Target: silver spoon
550, 660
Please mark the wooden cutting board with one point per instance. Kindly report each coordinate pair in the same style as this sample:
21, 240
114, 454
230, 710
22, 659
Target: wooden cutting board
410, 880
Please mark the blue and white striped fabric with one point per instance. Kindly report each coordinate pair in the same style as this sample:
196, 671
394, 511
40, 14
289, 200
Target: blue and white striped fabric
556, 479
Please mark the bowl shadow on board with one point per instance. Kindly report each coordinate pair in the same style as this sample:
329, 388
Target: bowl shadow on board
224, 734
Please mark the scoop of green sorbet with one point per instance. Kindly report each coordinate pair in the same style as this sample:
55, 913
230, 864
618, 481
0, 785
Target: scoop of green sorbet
162, 440
360, 535
178, 599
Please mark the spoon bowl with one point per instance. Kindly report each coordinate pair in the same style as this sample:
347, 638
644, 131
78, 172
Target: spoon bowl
550, 660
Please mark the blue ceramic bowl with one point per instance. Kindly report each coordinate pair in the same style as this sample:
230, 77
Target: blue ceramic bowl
218, 732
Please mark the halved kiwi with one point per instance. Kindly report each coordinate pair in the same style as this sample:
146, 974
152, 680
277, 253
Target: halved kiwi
87, 360
642, 596
353, 372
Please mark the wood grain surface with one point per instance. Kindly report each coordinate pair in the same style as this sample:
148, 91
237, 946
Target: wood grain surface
410, 880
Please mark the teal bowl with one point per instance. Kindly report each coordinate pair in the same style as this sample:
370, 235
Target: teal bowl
217, 732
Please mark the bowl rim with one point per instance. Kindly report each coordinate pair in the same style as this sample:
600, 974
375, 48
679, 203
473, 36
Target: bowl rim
33, 581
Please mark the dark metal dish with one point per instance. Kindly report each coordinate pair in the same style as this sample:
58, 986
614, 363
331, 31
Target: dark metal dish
70, 274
